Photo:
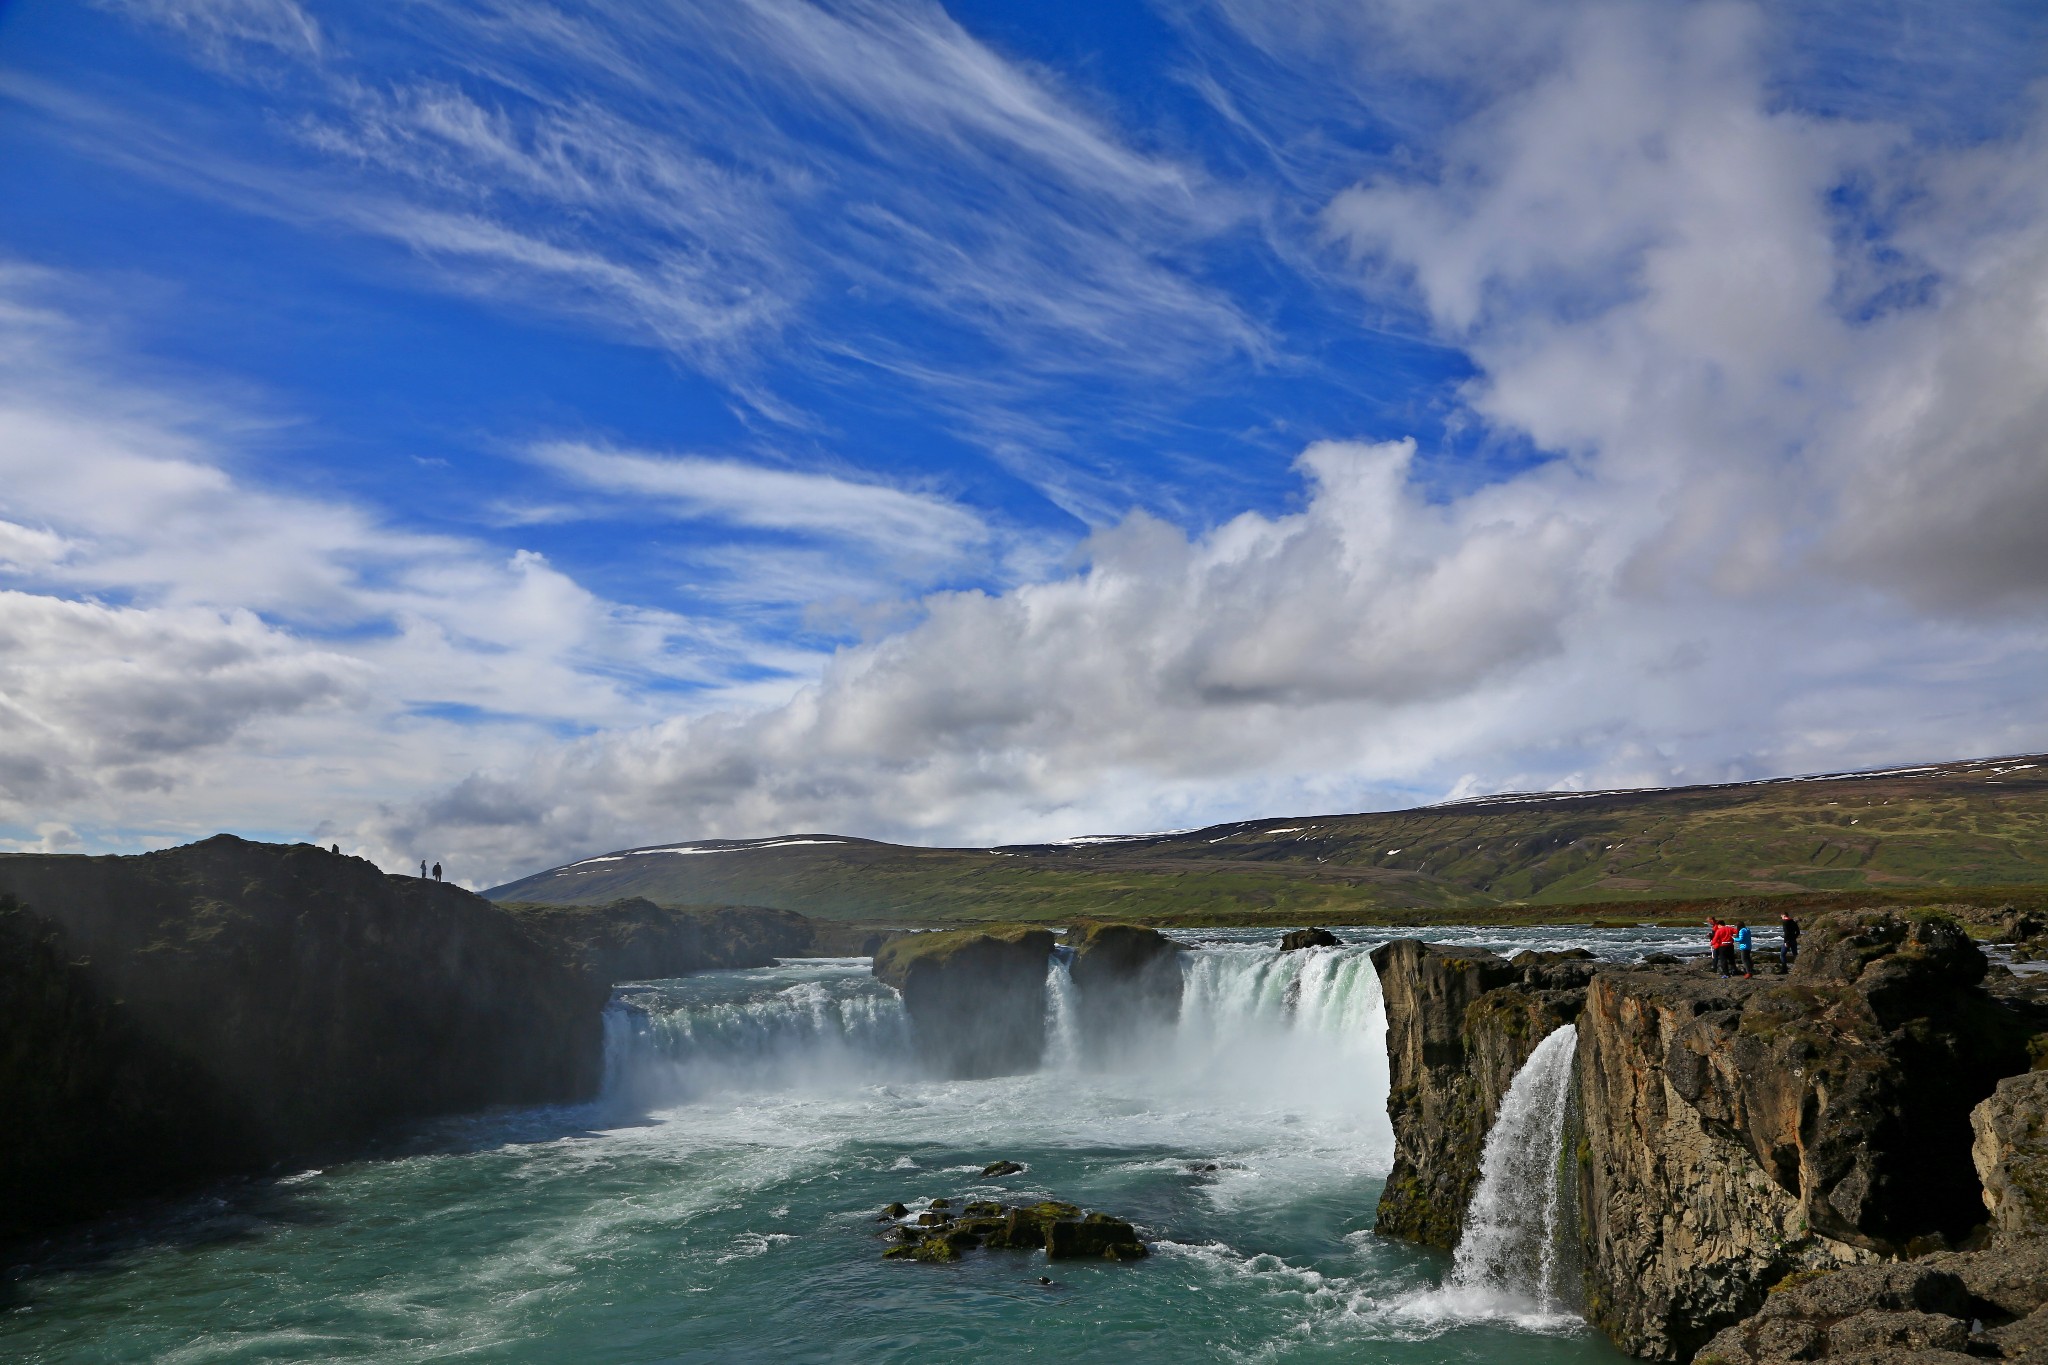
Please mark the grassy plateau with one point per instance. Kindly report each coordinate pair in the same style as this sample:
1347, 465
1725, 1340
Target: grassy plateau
1967, 833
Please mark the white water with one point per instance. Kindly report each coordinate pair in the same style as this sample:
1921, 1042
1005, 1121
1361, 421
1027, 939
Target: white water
1507, 1263
754, 1032
1062, 1022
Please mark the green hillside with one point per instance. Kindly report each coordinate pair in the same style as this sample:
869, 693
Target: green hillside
1980, 824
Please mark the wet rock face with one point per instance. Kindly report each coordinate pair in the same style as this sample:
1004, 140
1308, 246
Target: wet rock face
1127, 985
1460, 1023
219, 1007
976, 997
1740, 1131
1296, 939
2011, 1154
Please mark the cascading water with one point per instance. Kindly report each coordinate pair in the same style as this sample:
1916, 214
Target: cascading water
1507, 1262
721, 1206
1062, 1018
824, 1024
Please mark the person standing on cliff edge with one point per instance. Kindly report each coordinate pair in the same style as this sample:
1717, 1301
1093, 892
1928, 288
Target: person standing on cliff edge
437, 872
423, 869
1788, 952
1743, 944
1722, 940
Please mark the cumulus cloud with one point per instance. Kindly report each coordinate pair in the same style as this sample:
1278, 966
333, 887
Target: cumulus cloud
184, 647
1783, 369
1777, 370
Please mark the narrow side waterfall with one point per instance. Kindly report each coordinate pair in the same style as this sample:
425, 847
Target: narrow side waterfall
1062, 1019
1511, 1252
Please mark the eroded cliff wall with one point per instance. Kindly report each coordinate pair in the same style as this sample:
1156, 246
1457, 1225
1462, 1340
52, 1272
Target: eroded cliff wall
225, 1005
1729, 1133
1739, 1131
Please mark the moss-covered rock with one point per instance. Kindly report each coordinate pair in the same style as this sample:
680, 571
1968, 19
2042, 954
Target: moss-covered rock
976, 997
1098, 1236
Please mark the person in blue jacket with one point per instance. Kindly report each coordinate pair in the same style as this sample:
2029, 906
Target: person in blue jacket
1743, 946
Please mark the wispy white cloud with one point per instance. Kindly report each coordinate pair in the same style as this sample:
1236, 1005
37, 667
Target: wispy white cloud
1779, 528
916, 525
182, 646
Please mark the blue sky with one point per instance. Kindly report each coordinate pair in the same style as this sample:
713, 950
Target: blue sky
500, 431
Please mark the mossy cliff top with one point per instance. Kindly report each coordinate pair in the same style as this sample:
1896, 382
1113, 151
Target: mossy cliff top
908, 958
976, 997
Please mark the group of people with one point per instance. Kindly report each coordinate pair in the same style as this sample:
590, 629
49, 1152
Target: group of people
1733, 944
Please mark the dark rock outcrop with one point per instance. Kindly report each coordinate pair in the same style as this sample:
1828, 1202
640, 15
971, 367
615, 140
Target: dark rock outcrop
1737, 1132
215, 1008
1127, 985
637, 940
1294, 940
1460, 1023
976, 997
1060, 1229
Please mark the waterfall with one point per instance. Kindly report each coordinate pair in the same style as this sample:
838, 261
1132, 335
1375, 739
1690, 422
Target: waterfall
1509, 1257
754, 1031
1062, 1022
1289, 1034
1295, 1032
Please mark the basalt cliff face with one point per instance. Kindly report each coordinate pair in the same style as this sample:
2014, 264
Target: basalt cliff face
1728, 1134
219, 1007
1127, 986
1460, 1023
976, 997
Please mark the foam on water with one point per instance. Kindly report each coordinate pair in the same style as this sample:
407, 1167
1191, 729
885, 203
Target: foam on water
719, 1204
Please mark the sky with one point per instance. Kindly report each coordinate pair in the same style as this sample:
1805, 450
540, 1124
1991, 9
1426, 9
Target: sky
495, 431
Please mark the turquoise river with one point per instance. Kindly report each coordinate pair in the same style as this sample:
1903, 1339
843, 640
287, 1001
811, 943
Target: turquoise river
719, 1202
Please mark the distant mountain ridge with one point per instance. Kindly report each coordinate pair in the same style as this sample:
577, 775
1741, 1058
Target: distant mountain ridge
1967, 824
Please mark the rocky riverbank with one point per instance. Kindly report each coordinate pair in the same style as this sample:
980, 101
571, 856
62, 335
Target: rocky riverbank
1729, 1135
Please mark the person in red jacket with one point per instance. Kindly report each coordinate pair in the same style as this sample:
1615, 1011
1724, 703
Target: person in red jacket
1722, 940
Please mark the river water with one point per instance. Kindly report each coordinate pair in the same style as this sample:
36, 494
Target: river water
719, 1202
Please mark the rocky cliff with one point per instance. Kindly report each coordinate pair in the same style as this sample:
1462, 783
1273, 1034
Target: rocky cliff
1740, 1131
976, 997
1460, 1023
1127, 985
637, 940
1986, 1303
219, 1007
1730, 1135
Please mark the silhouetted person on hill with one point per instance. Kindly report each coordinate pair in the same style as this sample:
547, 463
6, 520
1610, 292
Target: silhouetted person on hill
437, 872
1788, 953
423, 869
337, 848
